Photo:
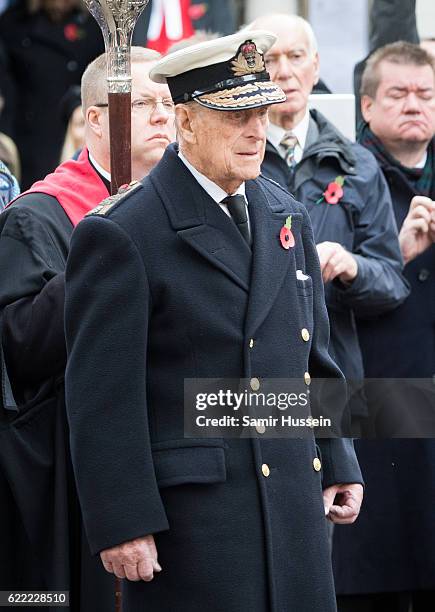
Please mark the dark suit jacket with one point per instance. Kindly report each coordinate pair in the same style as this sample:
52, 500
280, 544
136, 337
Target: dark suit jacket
159, 289
391, 546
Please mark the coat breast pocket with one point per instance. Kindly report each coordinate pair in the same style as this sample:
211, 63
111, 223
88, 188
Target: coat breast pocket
304, 284
189, 464
304, 290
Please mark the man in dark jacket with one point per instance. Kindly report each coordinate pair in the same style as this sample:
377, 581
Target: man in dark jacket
48, 44
343, 190
388, 560
186, 277
41, 546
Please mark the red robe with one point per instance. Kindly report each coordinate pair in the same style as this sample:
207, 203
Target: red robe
75, 184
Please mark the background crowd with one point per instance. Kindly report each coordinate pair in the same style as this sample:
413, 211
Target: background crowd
371, 204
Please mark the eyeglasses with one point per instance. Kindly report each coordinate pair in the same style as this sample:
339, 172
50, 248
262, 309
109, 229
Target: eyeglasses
147, 105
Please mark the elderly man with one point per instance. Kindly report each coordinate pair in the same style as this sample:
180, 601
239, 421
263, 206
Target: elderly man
388, 560
343, 190
41, 541
186, 277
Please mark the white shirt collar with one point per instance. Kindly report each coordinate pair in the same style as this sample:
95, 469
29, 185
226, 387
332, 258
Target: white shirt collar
98, 168
422, 162
275, 133
213, 190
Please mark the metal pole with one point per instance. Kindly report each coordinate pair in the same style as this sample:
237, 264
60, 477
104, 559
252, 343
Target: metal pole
117, 19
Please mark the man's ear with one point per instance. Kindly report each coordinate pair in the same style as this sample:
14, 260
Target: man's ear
367, 107
317, 69
185, 121
94, 119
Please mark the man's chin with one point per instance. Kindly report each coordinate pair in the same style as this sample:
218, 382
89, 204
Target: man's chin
251, 173
147, 162
289, 109
416, 134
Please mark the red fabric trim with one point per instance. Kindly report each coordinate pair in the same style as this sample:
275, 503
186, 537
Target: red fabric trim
76, 186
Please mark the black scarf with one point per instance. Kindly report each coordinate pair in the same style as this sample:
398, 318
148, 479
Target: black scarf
421, 179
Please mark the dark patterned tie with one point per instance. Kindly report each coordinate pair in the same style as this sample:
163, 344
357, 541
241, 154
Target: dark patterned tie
237, 209
289, 143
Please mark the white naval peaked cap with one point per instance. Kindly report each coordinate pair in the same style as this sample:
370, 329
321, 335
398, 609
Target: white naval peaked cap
227, 73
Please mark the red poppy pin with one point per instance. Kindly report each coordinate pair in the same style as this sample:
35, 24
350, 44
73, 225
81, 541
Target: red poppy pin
197, 11
72, 32
334, 191
286, 235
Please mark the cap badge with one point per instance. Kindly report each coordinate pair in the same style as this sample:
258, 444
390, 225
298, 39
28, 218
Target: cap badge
248, 60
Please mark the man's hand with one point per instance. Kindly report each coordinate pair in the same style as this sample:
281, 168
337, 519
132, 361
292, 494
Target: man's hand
134, 560
418, 229
335, 262
343, 502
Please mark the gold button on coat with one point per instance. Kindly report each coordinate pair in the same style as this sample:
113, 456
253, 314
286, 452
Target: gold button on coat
317, 465
265, 469
305, 334
255, 384
307, 378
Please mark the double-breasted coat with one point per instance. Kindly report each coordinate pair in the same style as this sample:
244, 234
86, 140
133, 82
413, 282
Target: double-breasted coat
162, 287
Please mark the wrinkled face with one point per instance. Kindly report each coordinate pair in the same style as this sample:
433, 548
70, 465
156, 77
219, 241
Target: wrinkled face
152, 119
229, 145
403, 109
295, 68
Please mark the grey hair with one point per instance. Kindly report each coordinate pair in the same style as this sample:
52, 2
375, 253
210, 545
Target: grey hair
294, 21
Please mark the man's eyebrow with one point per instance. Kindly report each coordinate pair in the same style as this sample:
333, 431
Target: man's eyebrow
143, 94
404, 88
287, 52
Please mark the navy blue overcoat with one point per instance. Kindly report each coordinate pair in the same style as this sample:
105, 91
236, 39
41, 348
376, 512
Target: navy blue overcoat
162, 287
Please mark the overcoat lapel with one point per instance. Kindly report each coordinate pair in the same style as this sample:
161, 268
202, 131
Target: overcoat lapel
199, 221
271, 262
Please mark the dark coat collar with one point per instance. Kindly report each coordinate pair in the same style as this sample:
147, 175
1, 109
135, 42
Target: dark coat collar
201, 223
324, 140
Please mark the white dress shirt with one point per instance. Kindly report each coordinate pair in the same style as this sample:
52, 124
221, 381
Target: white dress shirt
214, 191
275, 134
98, 168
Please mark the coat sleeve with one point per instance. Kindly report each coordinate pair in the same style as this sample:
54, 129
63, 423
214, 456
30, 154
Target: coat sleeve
339, 462
31, 303
107, 309
379, 285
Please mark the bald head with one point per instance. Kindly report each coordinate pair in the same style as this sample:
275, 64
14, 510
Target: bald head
282, 24
94, 79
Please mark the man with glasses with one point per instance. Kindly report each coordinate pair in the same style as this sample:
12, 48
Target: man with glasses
42, 545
